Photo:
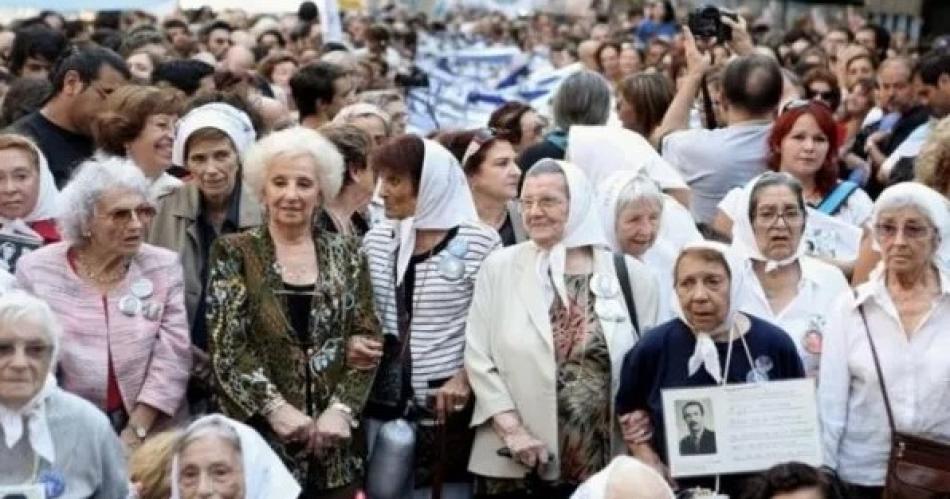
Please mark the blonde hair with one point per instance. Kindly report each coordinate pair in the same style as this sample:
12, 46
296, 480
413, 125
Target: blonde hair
150, 465
16, 141
933, 162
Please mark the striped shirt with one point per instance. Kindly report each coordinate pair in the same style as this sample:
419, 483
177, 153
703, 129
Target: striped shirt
440, 303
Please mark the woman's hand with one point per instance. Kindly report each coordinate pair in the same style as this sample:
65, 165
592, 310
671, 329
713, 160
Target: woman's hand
290, 424
636, 428
525, 448
331, 429
129, 439
453, 396
363, 352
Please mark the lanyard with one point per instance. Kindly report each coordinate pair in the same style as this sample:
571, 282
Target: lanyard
725, 375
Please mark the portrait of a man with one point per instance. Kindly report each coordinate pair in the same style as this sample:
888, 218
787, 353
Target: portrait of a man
699, 439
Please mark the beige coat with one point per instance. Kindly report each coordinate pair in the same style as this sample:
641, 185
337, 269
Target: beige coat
175, 227
509, 353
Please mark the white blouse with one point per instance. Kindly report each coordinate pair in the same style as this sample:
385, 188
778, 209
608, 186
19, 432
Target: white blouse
855, 434
805, 319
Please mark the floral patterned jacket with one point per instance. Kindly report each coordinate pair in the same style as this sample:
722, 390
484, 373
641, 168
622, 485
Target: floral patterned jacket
258, 361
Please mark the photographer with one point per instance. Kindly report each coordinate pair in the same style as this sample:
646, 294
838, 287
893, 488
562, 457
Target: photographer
751, 89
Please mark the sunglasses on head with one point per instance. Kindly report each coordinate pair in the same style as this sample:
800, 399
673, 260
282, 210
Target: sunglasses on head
482, 136
800, 103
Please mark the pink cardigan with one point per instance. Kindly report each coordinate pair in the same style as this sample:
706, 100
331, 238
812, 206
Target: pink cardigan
151, 358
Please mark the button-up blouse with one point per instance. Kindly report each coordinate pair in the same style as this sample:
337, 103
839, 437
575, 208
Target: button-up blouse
855, 433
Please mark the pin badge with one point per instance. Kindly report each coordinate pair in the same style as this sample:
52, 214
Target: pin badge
451, 267
152, 311
142, 288
603, 286
54, 483
130, 305
458, 247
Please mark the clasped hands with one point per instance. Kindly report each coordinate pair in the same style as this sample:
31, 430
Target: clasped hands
329, 430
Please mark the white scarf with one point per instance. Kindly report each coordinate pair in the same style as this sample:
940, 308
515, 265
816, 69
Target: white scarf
265, 475
705, 354
743, 235
636, 473
224, 117
45, 207
601, 150
583, 228
37, 426
443, 201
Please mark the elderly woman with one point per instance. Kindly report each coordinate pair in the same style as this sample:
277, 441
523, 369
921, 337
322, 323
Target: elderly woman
488, 160
283, 300
691, 350
43, 454
210, 142
546, 334
220, 457
898, 321
347, 213
632, 213
804, 144
783, 285
367, 117
424, 259
120, 301
138, 123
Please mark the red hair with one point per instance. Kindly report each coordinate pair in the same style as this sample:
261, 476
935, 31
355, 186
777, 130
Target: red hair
826, 178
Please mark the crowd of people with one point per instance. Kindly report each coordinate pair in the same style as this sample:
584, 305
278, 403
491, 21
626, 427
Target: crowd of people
230, 267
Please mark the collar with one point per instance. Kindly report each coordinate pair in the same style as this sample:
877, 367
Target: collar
876, 287
233, 216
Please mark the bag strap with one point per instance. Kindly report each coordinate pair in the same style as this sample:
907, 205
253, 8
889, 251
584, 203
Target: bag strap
877, 367
624, 277
833, 201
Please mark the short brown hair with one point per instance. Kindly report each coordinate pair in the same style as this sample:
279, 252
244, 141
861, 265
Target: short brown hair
402, 156
266, 66
127, 110
353, 143
16, 141
708, 255
650, 94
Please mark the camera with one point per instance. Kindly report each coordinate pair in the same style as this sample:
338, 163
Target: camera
706, 22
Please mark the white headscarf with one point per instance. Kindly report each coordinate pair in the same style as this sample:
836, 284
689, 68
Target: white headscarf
743, 235
705, 354
601, 150
33, 413
933, 205
648, 483
609, 196
265, 476
230, 120
45, 207
443, 201
584, 227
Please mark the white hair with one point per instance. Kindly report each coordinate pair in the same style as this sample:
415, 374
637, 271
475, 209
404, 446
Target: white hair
290, 142
639, 188
93, 178
213, 425
19, 306
362, 109
927, 201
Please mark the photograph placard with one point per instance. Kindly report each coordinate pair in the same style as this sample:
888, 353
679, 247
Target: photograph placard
14, 246
741, 428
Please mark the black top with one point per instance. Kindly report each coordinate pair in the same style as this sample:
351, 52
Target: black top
537, 152
206, 237
326, 222
405, 291
659, 360
507, 232
907, 123
299, 300
64, 150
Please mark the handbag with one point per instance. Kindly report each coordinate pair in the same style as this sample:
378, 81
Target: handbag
917, 468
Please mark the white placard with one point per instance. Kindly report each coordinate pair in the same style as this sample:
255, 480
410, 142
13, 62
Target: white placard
828, 237
741, 428
23, 491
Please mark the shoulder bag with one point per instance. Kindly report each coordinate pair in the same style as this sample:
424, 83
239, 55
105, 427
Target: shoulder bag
918, 468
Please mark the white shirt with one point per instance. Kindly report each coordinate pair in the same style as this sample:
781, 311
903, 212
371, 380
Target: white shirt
659, 260
855, 434
806, 317
714, 161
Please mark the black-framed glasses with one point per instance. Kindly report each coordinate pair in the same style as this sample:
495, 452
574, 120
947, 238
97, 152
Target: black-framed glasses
792, 217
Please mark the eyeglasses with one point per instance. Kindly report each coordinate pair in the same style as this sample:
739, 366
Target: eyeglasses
825, 97
544, 203
482, 136
911, 231
801, 103
143, 214
790, 217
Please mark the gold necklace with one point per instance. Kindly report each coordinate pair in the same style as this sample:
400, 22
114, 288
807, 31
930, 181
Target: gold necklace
101, 278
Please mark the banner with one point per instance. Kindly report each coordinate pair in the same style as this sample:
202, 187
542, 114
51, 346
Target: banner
330, 23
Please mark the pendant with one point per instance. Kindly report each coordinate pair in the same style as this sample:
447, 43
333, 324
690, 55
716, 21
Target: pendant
451, 267
604, 286
130, 305
142, 288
